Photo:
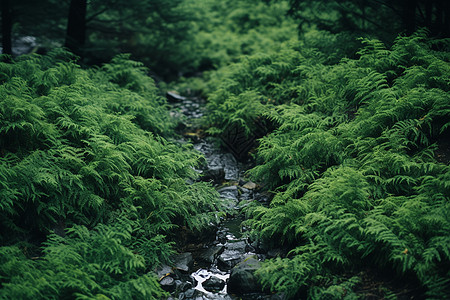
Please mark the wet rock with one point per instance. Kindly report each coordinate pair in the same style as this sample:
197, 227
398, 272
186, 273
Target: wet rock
240, 246
183, 262
229, 258
173, 96
250, 185
189, 294
184, 286
163, 271
231, 167
214, 284
210, 254
230, 192
242, 278
168, 284
216, 174
245, 194
233, 254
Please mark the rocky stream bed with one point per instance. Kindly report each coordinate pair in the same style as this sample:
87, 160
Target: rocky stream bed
219, 264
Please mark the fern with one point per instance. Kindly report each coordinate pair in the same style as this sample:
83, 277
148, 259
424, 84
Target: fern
352, 163
86, 164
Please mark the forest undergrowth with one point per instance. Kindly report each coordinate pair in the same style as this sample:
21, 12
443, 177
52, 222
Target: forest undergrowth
356, 157
92, 189
95, 188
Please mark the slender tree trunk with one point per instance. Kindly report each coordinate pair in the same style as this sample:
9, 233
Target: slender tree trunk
76, 26
6, 27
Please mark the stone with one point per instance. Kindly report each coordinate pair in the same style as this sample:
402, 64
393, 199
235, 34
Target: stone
210, 254
215, 174
173, 96
190, 293
250, 185
185, 286
239, 246
213, 284
243, 279
163, 271
168, 284
230, 166
232, 255
229, 258
183, 262
229, 192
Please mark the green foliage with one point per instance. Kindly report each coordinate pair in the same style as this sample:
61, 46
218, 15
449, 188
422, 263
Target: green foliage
102, 263
86, 164
353, 161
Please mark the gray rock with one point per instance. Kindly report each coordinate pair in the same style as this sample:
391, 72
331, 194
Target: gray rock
168, 284
233, 254
216, 174
210, 254
173, 96
231, 167
185, 286
242, 278
213, 284
229, 192
190, 293
183, 262
238, 246
250, 185
163, 271
229, 258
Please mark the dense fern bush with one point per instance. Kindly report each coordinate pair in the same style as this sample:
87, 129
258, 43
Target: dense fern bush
86, 168
356, 162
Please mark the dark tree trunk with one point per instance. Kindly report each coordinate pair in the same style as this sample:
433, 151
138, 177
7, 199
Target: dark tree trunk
76, 26
6, 27
409, 15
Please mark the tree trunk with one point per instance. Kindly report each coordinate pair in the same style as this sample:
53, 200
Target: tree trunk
76, 26
6, 27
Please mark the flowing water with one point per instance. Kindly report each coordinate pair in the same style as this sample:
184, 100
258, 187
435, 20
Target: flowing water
213, 259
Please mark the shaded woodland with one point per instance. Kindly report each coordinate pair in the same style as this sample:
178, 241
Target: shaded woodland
347, 102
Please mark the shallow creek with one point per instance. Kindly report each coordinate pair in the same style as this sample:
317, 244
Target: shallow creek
203, 271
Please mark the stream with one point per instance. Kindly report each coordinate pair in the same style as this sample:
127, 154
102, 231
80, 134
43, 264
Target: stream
221, 263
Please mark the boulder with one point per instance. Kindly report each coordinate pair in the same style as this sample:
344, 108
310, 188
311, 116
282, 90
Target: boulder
210, 254
215, 174
232, 255
163, 271
173, 96
213, 284
243, 279
183, 262
249, 185
231, 192
168, 284
229, 258
189, 294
